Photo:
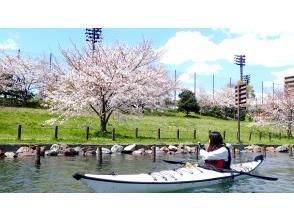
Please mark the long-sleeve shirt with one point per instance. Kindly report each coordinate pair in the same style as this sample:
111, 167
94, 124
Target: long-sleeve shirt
219, 154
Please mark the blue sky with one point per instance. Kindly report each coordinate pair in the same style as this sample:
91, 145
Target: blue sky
204, 51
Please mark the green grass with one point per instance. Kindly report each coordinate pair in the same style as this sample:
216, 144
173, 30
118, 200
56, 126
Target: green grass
74, 130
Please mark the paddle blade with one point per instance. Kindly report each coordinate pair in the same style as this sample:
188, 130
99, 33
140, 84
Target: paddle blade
259, 157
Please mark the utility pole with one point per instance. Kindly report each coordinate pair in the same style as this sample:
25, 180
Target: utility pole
175, 89
262, 92
93, 35
50, 61
255, 103
240, 98
213, 86
195, 85
18, 53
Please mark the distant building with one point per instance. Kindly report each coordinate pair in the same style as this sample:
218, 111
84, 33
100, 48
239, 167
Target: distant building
289, 85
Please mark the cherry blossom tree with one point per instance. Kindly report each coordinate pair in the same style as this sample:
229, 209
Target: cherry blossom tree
225, 97
222, 103
20, 77
277, 112
108, 79
7, 79
218, 104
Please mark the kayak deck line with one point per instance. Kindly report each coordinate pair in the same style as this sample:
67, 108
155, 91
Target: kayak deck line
81, 176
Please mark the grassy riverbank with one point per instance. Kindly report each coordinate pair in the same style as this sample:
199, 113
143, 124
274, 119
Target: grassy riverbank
34, 130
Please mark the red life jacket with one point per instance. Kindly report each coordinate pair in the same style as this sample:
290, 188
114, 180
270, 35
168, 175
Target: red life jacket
216, 163
221, 164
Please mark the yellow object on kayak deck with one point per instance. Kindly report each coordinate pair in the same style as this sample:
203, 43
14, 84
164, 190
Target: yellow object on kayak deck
188, 165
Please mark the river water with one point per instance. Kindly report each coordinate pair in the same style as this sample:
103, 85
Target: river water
54, 175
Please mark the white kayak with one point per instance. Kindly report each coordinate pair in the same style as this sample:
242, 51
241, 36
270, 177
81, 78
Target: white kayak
166, 180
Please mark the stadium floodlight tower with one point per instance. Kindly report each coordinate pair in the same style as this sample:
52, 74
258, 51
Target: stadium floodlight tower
93, 35
246, 79
240, 61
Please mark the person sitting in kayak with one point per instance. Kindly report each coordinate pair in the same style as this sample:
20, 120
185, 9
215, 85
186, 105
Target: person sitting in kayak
217, 154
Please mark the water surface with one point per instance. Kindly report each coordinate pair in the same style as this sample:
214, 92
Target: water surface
54, 175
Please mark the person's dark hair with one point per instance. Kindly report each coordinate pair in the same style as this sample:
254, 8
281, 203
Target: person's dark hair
215, 140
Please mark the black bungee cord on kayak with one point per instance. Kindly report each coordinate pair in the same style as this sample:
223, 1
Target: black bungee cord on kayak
169, 174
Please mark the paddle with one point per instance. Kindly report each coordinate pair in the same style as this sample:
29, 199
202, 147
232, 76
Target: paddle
174, 162
248, 174
225, 170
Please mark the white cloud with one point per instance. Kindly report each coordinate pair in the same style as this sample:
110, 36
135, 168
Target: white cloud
200, 69
280, 75
188, 46
204, 68
8, 44
193, 46
283, 73
186, 78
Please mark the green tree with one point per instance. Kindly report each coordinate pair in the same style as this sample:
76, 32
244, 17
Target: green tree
250, 91
188, 102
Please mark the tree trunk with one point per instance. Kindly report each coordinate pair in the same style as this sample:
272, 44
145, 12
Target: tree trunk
103, 124
104, 115
103, 118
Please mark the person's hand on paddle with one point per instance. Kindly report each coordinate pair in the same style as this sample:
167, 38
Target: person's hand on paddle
201, 146
229, 145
